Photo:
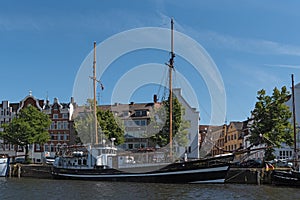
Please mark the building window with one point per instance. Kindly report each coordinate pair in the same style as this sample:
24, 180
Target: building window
58, 125
137, 122
65, 115
46, 147
52, 148
52, 126
37, 147
55, 116
65, 125
140, 113
143, 122
65, 137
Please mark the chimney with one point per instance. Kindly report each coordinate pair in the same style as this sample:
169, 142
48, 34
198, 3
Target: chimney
155, 98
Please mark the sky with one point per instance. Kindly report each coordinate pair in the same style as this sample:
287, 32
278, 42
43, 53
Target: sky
253, 45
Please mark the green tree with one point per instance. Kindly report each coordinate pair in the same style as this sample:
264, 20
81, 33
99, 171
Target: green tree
29, 127
181, 137
179, 125
111, 126
271, 121
84, 127
108, 126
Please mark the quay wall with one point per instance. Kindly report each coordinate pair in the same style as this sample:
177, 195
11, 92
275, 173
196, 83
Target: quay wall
30, 170
248, 176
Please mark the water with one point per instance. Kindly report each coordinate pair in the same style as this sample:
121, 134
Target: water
27, 188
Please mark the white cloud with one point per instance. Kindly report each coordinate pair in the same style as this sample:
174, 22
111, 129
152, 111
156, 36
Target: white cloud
283, 66
255, 46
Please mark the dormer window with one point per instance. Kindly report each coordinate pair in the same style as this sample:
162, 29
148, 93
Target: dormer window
65, 116
140, 113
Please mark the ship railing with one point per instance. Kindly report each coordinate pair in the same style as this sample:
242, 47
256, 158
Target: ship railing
133, 165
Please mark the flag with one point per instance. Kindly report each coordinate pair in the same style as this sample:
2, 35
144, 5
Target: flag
269, 167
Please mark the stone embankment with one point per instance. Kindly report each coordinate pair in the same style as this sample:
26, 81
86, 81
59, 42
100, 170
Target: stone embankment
248, 176
30, 170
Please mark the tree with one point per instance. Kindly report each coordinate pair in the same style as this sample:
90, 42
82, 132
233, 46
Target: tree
108, 125
111, 126
29, 127
179, 126
271, 121
84, 126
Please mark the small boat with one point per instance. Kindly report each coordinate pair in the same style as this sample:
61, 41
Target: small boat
286, 178
103, 162
4, 165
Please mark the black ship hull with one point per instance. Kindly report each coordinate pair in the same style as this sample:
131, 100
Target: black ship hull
213, 170
286, 178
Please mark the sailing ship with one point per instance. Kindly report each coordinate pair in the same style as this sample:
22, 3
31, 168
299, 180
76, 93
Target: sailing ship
103, 162
289, 177
4, 165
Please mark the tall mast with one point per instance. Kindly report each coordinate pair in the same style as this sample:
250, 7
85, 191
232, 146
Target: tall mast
294, 123
171, 66
94, 87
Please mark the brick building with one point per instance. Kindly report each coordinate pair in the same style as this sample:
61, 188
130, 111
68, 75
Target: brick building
61, 130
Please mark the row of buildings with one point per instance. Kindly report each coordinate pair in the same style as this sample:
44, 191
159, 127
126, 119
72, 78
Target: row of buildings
136, 117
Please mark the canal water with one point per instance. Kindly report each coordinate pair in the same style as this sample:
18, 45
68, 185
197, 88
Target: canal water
27, 188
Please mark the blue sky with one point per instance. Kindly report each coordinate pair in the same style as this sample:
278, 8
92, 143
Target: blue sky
254, 44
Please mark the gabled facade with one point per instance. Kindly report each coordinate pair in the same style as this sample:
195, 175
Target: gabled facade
61, 130
7, 113
212, 140
216, 140
234, 136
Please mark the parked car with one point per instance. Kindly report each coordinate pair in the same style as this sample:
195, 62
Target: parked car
49, 160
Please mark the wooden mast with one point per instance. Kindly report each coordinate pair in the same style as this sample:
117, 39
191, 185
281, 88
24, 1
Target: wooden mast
171, 66
294, 123
94, 100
